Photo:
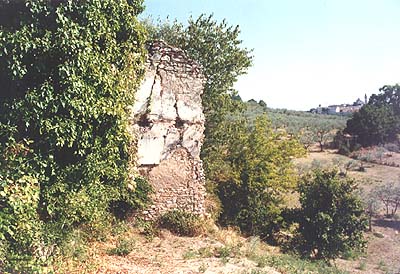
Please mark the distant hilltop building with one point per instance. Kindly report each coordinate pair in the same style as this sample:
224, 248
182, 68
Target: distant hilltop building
342, 108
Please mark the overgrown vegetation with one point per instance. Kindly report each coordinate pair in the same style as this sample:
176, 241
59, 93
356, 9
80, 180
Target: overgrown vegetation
182, 223
247, 167
254, 177
331, 218
248, 160
218, 49
378, 122
68, 71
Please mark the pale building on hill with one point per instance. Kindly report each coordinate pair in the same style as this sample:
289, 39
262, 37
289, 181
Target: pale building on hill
342, 108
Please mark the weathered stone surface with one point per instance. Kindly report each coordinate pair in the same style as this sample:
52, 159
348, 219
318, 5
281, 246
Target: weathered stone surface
191, 136
169, 122
144, 92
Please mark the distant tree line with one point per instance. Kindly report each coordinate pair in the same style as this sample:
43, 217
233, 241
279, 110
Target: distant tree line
309, 128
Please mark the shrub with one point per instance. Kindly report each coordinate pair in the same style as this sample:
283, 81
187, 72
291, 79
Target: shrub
189, 254
332, 215
260, 171
148, 228
182, 223
123, 247
393, 147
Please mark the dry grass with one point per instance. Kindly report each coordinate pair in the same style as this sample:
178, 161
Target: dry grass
374, 174
222, 251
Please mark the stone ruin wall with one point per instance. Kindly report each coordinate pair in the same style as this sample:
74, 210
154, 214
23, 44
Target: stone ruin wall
169, 122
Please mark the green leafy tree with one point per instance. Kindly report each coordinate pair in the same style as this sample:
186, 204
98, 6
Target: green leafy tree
255, 172
324, 134
332, 219
378, 122
68, 71
307, 137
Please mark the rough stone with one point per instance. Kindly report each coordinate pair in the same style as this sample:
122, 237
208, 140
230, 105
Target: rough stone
168, 120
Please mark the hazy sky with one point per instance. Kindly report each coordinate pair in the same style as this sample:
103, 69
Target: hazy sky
307, 52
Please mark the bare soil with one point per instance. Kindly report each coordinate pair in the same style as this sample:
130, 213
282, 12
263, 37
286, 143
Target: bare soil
169, 254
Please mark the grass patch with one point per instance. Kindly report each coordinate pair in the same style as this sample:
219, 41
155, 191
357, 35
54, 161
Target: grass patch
123, 247
352, 254
182, 223
382, 266
147, 228
205, 252
190, 254
362, 266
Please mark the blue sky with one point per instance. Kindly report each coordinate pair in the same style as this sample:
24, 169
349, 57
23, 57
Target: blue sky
307, 52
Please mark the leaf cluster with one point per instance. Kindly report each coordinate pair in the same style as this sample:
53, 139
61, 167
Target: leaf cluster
252, 175
332, 220
378, 122
68, 72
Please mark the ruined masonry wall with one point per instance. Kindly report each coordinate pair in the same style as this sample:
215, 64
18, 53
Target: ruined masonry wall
169, 121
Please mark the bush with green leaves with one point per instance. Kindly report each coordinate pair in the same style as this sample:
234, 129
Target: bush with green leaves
68, 72
123, 247
255, 173
182, 223
332, 220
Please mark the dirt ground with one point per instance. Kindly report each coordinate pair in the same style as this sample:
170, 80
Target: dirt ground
170, 254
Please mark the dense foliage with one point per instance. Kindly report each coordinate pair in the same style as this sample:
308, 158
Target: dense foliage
181, 223
332, 219
255, 174
68, 70
378, 122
